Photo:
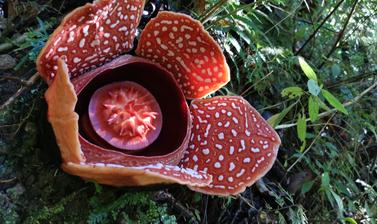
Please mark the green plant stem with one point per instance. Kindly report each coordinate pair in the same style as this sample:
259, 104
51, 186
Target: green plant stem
327, 113
311, 144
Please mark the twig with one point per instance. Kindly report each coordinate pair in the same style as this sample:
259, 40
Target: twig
349, 80
8, 180
326, 113
31, 81
282, 20
22, 81
9, 45
245, 200
164, 197
245, 93
319, 27
311, 144
341, 33
313, 23
213, 23
211, 11
20, 39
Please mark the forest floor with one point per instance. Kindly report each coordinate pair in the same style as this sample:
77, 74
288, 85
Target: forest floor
327, 175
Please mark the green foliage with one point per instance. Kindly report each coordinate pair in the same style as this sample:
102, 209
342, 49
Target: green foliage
334, 101
301, 130
292, 92
308, 71
313, 87
131, 207
313, 108
263, 43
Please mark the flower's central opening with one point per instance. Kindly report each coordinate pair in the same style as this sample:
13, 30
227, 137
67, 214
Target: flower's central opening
126, 115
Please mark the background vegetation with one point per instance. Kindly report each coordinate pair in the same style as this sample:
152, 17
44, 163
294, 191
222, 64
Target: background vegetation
308, 66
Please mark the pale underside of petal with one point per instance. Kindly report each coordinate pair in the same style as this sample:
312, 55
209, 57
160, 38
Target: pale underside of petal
230, 141
61, 99
119, 176
90, 36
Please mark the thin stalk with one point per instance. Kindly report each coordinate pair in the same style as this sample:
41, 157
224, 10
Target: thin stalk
311, 144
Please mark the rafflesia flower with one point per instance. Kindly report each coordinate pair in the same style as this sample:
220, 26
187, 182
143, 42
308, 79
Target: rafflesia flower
125, 121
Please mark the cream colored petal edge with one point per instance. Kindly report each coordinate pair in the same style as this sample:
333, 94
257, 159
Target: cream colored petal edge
119, 176
61, 99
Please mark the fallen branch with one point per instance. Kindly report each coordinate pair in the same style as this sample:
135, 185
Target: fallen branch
26, 84
327, 113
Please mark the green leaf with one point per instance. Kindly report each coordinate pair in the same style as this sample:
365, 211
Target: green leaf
309, 72
339, 203
325, 181
333, 101
277, 118
313, 108
335, 70
322, 105
292, 92
313, 87
303, 146
301, 127
306, 187
350, 220
235, 43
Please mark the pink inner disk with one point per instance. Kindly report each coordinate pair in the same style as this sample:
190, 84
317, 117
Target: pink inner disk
126, 115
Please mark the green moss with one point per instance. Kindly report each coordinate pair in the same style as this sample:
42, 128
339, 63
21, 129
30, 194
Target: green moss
110, 206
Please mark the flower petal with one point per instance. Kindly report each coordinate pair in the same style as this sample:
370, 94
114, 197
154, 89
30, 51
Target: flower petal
231, 142
117, 175
90, 36
61, 100
181, 45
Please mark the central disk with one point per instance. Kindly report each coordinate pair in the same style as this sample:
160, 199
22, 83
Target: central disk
126, 115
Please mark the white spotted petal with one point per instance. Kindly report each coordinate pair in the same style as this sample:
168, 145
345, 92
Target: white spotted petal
236, 147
